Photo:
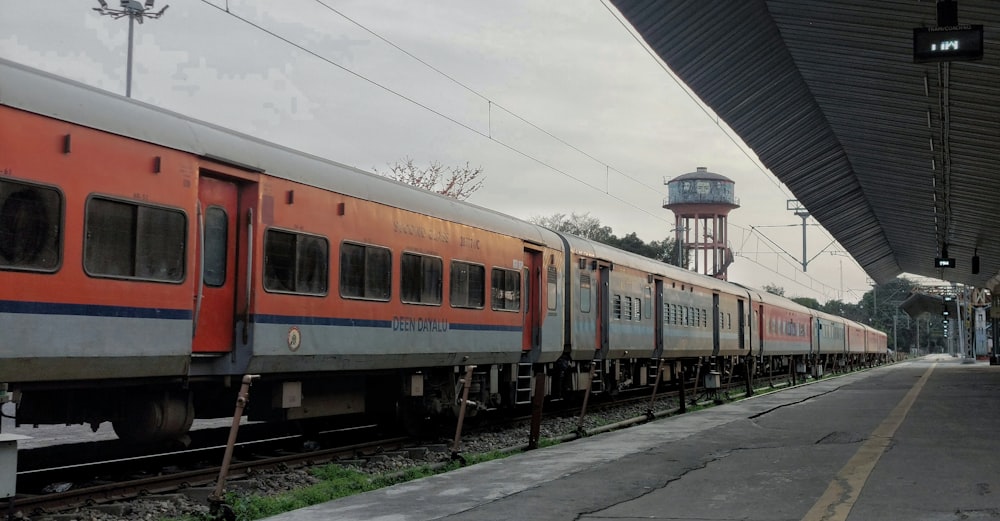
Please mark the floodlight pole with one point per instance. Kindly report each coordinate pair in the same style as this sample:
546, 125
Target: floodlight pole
128, 67
134, 11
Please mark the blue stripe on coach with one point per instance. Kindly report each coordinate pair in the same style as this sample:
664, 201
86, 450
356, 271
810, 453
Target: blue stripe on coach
484, 327
357, 322
319, 321
92, 310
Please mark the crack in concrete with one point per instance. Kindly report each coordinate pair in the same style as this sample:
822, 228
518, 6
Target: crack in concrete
806, 399
841, 438
704, 465
684, 472
974, 514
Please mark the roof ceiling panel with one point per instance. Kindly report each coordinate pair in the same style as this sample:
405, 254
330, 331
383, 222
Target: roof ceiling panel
893, 158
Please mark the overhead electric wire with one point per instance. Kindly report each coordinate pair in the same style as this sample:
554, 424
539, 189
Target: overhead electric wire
711, 114
436, 112
488, 135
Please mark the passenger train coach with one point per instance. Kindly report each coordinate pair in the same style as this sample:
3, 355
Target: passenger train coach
150, 260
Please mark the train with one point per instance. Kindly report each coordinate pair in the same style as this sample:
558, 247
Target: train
149, 260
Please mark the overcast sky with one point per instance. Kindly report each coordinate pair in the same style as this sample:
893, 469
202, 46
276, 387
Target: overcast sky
305, 74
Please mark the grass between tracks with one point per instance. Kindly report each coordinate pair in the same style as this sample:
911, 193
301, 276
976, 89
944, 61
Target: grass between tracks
337, 482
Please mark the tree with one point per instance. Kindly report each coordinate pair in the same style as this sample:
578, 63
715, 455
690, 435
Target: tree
880, 309
589, 227
455, 182
583, 225
774, 289
808, 302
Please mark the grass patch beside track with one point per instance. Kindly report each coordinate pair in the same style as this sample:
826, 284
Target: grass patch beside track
337, 482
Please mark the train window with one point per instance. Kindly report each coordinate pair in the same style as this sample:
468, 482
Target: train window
649, 301
506, 290
216, 236
420, 279
616, 307
296, 263
468, 285
130, 240
365, 272
638, 308
30, 224
552, 279
584, 293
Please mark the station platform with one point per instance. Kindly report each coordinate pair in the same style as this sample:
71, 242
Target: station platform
914, 441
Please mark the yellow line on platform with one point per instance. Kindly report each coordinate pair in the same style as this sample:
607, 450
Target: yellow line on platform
836, 503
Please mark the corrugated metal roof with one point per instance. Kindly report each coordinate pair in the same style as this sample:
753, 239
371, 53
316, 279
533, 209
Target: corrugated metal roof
893, 158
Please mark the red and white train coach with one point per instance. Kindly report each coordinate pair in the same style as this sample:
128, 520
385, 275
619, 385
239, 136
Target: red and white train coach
150, 260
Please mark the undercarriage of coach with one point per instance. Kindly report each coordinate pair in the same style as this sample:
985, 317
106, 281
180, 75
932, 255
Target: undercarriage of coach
414, 399
141, 414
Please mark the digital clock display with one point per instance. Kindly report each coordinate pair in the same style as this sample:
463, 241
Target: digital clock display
937, 44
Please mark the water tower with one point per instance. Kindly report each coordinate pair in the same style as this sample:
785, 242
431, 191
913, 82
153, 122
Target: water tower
701, 201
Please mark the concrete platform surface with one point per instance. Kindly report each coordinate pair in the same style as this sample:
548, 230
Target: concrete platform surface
915, 441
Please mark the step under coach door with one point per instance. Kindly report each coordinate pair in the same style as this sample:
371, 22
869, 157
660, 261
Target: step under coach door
215, 297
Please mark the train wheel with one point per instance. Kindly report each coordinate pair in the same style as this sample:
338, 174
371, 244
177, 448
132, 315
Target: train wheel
151, 418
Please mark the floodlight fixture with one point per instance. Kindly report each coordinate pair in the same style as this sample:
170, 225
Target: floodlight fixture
135, 11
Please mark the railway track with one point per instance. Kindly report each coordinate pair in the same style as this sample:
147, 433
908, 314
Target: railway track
117, 480
46, 489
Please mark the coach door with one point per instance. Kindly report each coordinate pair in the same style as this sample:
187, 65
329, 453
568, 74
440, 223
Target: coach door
216, 274
532, 315
741, 313
603, 308
716, 324
658, 320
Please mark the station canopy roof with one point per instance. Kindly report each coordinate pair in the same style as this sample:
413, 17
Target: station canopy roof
894, 158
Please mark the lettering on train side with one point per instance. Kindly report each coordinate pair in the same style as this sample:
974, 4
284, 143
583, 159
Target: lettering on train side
469, 242
6, 172
419, 325
419, 231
